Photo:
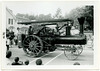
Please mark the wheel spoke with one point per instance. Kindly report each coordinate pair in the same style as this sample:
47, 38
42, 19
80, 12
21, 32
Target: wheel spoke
26, 45
28, 39
38, 46
37, 49
26, 42
37, 43
31, 38
34, 38
35, 52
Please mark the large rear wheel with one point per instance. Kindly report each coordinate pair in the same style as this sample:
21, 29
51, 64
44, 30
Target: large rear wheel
33, 46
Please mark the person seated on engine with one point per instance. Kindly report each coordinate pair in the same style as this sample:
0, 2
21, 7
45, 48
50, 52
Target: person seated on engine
30, 30
74, 31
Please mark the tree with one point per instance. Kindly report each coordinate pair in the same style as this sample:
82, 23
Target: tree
43, 17
85, 11
30, 17
89, 14
58, 14
20, 15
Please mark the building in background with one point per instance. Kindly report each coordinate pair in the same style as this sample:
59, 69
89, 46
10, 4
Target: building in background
23, 27
11, 21
22, 19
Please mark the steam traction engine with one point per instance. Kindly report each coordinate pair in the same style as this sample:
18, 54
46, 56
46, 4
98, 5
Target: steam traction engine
45, 37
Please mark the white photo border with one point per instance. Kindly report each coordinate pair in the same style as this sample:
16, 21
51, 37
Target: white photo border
96, 44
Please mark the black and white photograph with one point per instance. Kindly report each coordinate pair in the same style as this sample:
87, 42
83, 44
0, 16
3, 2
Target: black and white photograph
49, 33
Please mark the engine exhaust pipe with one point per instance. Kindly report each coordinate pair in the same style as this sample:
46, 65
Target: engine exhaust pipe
81, 22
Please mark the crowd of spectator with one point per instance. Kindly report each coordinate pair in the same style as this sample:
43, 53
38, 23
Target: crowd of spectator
18, 62
9, 38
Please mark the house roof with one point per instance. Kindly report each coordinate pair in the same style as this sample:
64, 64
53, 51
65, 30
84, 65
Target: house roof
16, 18
11, 13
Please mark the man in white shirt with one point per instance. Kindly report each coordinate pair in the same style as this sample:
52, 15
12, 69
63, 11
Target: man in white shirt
7, 43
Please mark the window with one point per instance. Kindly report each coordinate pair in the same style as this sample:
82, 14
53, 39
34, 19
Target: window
12, 21
9, 21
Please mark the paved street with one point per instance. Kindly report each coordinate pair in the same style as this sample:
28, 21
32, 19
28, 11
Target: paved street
54, 58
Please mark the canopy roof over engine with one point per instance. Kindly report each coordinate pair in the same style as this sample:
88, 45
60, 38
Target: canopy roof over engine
45, 21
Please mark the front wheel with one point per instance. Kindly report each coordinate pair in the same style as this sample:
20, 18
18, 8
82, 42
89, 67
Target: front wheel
33, 46
71, 52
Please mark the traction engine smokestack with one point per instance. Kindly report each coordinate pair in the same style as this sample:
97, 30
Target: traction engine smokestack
81, 22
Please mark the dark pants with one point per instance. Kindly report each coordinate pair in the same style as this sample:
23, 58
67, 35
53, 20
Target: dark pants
16, 41
11, 42
7, 47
